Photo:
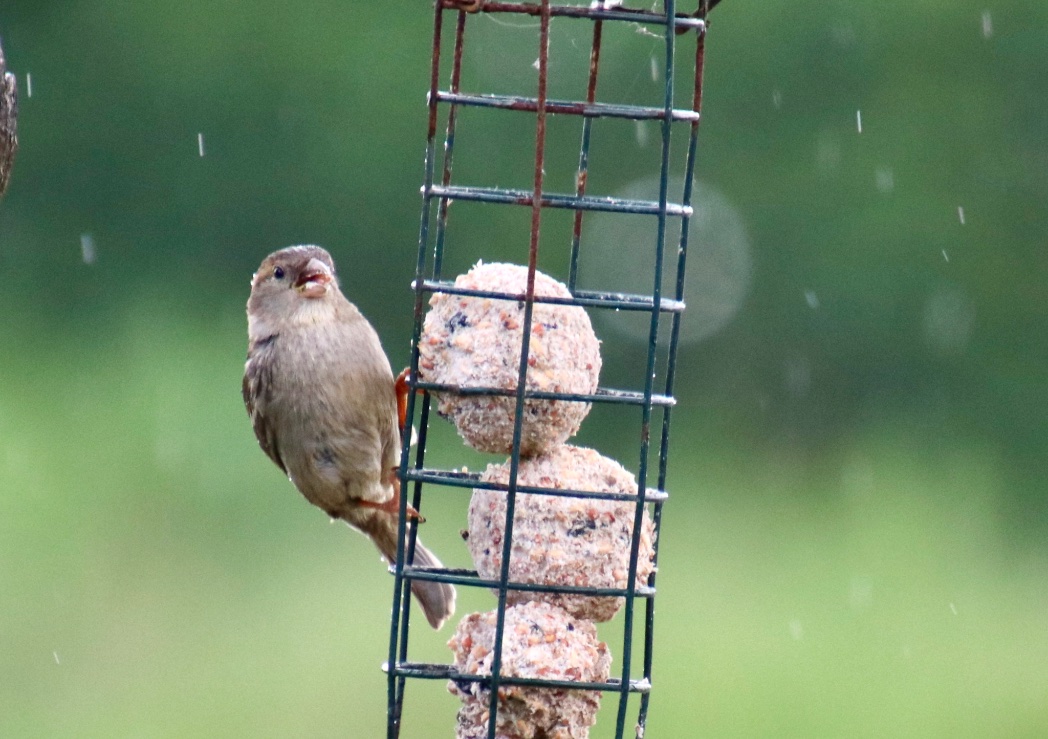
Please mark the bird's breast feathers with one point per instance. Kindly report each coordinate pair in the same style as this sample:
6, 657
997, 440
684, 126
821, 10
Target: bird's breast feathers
336, 411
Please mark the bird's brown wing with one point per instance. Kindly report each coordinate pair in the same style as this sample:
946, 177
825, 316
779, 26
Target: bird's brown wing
389, 423
258, 378
371, 408
380, 385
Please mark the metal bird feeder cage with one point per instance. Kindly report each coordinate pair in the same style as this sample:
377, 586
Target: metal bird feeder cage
652, 398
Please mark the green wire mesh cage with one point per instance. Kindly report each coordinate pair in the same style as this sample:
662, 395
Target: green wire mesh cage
649, 402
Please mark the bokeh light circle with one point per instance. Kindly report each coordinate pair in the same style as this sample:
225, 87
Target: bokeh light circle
618, 253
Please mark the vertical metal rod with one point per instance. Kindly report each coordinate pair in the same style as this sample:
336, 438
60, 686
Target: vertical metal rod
394, 685
583, 172
449, 146
416, 501
522, 374
438, 258
671, 363
682, 252
669, 7
649, 625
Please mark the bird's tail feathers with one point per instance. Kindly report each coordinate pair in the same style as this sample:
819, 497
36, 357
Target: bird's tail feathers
437, 599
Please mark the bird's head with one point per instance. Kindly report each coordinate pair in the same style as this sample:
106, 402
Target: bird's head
292, 283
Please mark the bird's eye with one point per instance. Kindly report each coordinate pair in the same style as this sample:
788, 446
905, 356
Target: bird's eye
279, 273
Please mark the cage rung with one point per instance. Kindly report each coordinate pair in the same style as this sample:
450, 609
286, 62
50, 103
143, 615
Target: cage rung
431, 671
603, 395
590, 298
555, 200
455, 478
470, 578
565, 107
626, 301
593, 12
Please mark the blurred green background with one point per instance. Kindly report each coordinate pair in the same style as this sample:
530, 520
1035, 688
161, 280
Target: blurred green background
856, 539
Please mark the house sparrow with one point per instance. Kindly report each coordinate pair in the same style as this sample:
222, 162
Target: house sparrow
320, 393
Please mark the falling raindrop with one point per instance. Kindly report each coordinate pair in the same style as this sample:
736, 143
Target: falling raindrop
987, 24
953, 609
960, 214
828, 152
87, 248
858, 478
843, 34
57, 661
654, 69
945, 255
812, 298
642, 133
776, 98
948, 319
200, 144
858, 119
797, 377
28, 85
860, 593
885, 179
796, 629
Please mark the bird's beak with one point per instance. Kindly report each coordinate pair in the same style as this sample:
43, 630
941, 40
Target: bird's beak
314, 279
